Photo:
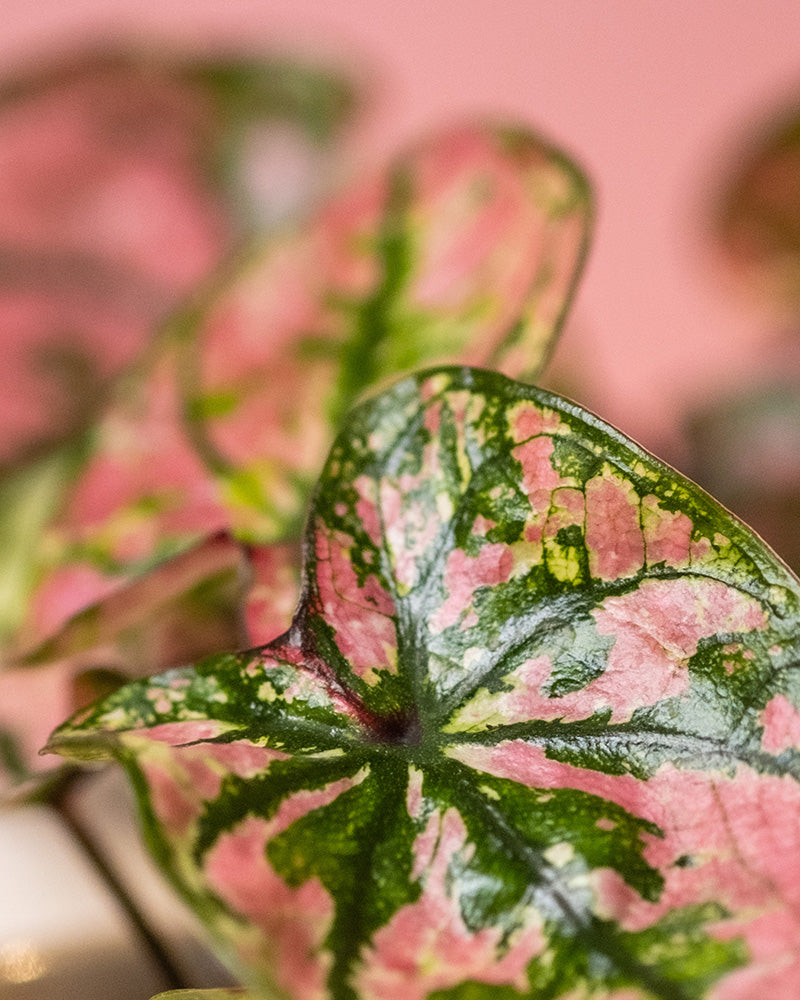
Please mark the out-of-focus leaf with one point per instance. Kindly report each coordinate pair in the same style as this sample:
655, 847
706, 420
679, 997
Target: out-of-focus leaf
152, 130
758, 215
206, 995
29, 701
68, 324
314, 97
142, 527
125, 179
467, 249
273, 592
492, 227
534, 732
12, 760
114, 205
762, 421
111, 562
279, 116
142, 496
31, 496
181, 609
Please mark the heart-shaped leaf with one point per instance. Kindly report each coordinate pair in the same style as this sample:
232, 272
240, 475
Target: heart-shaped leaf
533, 732
144, 493
467, 249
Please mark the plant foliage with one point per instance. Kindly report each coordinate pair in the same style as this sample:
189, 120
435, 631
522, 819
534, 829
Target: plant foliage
532, 733
467, 248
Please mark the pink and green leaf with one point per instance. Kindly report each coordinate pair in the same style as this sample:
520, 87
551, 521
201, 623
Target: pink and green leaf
126, 178
534, 731
31, 497
325, 307
183, 608
123, 182
467, 250
116, 559
139, 495
469, 247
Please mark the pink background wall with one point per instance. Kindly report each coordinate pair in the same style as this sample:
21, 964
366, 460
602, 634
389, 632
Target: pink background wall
650, 96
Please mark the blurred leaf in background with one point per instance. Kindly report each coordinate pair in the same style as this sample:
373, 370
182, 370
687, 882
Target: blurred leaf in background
744, 440
757, 215
478, 259
127, 178
467, 248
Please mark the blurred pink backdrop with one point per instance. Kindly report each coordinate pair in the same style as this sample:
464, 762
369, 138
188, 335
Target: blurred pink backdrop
650, 97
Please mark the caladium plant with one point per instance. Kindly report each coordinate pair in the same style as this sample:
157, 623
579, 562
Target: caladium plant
467, 247
377, 283
533, 731
175, 141
126, 178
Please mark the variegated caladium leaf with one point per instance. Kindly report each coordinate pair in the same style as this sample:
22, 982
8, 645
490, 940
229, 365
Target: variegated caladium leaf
138, 496
380, 281
533, 732
127, 520
467, 249
144, 494
31, 497
116, 563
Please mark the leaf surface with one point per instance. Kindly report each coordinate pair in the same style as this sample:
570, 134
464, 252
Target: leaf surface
533, 733
467, 249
